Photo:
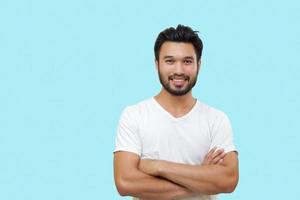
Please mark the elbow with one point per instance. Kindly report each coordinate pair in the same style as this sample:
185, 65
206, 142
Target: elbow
229, 188
230, 184
122, 187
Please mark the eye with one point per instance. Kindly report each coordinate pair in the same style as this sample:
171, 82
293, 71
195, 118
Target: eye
169, 61
187, 62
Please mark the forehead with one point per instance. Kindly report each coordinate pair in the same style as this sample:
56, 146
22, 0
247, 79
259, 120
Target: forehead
177, 50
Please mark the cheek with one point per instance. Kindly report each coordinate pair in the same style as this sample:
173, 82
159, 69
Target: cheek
166, 71
192, 71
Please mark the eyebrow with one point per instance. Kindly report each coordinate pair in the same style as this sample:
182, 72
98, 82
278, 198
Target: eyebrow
165, 57
187, 57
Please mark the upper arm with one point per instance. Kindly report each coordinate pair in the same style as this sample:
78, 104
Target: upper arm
125, 167
232, 169
127, 138
221, 132
231, 161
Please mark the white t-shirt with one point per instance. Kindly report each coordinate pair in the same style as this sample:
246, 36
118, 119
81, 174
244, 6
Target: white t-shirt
148, 130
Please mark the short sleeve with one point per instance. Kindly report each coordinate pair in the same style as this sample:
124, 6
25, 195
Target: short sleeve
221, 133
127, 137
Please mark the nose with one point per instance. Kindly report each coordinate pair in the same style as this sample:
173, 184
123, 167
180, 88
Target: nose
179, 68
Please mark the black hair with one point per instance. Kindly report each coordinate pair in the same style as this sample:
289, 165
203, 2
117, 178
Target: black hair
180, 34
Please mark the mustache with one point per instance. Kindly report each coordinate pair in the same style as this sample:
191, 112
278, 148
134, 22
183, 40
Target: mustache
179, 76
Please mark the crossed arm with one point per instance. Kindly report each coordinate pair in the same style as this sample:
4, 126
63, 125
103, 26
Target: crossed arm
157, 179
202, 179
131, 181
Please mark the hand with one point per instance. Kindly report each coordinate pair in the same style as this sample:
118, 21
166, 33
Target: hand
150, 167
214, 157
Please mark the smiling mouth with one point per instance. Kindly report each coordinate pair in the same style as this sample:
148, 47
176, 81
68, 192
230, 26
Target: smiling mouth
178, 78
178, 81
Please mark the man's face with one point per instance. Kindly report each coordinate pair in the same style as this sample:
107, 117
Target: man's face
177, 67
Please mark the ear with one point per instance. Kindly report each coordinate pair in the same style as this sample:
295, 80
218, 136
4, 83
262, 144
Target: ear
199, 64
156, 64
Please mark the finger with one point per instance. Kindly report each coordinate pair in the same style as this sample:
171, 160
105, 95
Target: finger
217, 153
210, 153
209, 156
217, 156
213, 150
223, 154
220, 161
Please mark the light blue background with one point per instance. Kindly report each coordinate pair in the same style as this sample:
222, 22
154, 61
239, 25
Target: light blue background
68, 68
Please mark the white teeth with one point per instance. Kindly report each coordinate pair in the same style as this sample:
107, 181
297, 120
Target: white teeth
178, 79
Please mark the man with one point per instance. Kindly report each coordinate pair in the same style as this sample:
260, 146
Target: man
172, 146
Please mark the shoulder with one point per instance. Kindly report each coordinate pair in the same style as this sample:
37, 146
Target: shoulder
136, 111
210, 112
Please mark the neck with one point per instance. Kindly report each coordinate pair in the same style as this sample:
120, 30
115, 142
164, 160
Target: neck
176, 102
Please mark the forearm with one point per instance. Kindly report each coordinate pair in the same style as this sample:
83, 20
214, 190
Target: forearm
209, 179
141, 185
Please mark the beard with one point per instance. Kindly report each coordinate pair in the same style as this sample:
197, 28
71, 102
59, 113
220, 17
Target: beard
178, 91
